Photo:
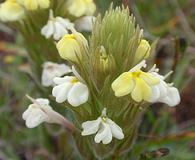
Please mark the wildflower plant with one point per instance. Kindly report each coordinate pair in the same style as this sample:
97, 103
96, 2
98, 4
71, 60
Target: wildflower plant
106, 82
112, 66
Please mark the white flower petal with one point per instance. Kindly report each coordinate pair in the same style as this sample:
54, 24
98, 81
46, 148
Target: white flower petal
40, 111
63, 69
159, 91
61, 92
90, 127
155, 94
165, 100
52, 70
34, 107
104, 134
44, 31
108, 138
175, 96
48, 29
172, 98
57, 27
84, 23
116, 130
27, 112
47, 79
162, 88
168, 95
36, 118
65, 22
78, 94
60, 31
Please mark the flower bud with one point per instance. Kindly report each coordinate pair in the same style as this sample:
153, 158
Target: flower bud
10, 10
143, 51
79, 8
69, 46
106, 61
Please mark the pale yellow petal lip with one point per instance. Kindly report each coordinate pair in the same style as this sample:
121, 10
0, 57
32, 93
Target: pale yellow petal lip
80, 8
135, 82
10, 10
69, 47
123, 85
141, 91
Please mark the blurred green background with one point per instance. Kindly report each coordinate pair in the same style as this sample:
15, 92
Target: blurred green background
170, 128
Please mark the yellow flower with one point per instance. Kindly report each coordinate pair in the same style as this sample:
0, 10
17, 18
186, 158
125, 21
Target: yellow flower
35, 4
79, 8
143, 51
135, 82
10, 10
69, 46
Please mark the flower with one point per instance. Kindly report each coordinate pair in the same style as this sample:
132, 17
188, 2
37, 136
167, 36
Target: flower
135, 82
69, 46
52, 70
143, 51
56, 27
104, 127
164, 92
84, 23
80, 8
35, 4
40, 111
10, 10
70, 88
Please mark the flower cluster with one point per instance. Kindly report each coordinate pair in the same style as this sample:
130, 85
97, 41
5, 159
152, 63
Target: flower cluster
103, 80
142, 86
